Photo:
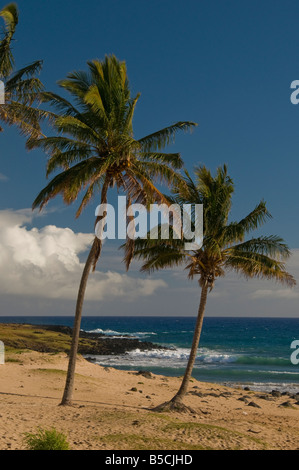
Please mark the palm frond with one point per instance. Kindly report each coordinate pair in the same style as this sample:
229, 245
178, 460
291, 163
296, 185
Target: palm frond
11, 17
172, 159
260, 257
159, 255
272, 245
69, 183
256, 265
28, 71
58, 102
77, 84
165, 136
25, 117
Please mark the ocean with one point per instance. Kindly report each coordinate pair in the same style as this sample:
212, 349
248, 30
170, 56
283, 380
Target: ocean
252, 352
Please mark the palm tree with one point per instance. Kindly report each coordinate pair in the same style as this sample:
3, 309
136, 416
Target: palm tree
96, 150
21, 86
224, 248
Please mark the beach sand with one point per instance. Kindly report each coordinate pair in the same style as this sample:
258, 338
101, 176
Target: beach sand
109, 415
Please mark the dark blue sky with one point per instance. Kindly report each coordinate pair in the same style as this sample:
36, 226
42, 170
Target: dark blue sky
226, 65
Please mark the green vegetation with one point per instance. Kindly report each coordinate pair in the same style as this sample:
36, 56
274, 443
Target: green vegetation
137, 442
46, 440
184, 435
210, 431
93, 148
224, 248
22, 86
177, 434
18, 338
50, 371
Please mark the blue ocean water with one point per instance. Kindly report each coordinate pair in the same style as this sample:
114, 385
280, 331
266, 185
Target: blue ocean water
251, 351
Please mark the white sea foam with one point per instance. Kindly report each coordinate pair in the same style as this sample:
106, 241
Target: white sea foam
168, 358
282, 372
267, 387
123, 334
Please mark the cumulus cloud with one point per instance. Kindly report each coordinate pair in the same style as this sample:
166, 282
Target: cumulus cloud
45, 263
275, 294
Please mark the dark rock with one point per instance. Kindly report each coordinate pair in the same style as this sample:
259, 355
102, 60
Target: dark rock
276, 393
243, 399
66, 330
91, 359
247, 389
286, 404
197, 394
145, 373
265, 397
99, 344
253, 404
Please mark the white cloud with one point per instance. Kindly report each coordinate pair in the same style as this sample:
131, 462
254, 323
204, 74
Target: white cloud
275, 294
45, 263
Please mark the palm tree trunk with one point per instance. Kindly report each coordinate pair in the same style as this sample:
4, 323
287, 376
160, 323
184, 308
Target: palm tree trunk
197, 332
69, 385
92, 259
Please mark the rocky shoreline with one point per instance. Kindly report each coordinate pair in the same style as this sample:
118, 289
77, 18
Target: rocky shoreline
99, 344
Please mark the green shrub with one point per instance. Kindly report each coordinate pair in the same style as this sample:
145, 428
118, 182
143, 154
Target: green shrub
46, 440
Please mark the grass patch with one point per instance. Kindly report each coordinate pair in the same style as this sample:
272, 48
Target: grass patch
45, 439
13, 359
59, 372
137, 442
26, 337
51, 371
22, 337
175, 434
232, 439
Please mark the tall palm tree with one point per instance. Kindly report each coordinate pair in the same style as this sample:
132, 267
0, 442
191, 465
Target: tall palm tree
96, 150
224, 248
21, 86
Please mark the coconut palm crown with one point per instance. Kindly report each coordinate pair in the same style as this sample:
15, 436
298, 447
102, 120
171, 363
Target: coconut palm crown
94, 149
225, 248
22, 86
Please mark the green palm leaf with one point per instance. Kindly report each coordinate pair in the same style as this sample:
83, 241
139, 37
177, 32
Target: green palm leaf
260, 257
165, 136
22, 87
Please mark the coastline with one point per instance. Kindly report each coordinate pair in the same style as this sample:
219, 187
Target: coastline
129, 349
112, 407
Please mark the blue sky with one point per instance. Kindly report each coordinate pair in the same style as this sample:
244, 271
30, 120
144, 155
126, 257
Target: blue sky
226, 65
